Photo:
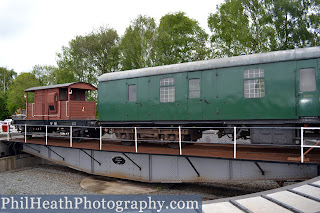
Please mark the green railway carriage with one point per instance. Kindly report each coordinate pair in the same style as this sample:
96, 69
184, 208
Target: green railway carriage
276, 88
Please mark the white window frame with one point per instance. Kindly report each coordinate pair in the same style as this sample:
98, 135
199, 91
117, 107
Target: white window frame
194, 92
130, 96
167, 90
254, 84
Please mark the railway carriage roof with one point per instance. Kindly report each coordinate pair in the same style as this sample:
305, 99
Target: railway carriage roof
261, 58
76, 85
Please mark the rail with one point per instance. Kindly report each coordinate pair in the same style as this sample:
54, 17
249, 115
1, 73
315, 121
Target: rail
100, 129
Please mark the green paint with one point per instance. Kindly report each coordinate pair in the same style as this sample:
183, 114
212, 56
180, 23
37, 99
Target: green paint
307, 101
221, 96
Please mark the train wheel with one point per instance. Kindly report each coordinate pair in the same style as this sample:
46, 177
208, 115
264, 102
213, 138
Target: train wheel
127, 143
94, 133
188, 139
174, 144
76, 134
29, 132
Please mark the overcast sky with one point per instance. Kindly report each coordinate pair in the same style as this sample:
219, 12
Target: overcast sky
33, 31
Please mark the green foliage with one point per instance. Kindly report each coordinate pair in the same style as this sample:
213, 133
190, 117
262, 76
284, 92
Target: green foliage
137, 44
45, 74
16, 92
254, 26
48, 75
240, 26
177, 39
314, 22
4, 113
6, 77
88, 57
261, 34
296, 22
180, 39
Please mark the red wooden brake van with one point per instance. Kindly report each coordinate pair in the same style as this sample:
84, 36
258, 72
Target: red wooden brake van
61, 102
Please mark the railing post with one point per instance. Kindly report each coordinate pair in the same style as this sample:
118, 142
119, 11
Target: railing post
180, 140
25, 133
70, 136
100, 137
136, 138
46, 134
302, 156
8, 131
234, 142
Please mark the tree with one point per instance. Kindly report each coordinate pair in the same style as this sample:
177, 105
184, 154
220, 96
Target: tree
296, 22
240, 26
48, 75
88, 57
314, 22
254, 26
16, 92
6, 77
261, 32
44, 73
3, 104
180, 39
137, 44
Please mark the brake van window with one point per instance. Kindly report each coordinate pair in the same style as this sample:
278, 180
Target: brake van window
167, 90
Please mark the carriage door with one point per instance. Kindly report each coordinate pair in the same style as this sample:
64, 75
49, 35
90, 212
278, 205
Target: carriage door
194, 96
306, 92
143, 99
131, 103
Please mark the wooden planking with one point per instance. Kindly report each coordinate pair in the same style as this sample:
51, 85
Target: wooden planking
72, 106
82, 109
76, 109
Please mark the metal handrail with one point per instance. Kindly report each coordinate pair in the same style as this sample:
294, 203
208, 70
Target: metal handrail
302, 141
136, 140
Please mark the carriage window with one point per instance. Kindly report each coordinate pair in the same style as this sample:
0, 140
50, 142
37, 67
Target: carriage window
194, 88
254, 83
78, 95
132, 92
307, 80
63, 94
167, 90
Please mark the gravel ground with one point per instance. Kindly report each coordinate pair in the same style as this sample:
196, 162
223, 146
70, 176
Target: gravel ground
42, 179
56, 179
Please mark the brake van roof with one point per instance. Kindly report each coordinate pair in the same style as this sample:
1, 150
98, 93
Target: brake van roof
243, 60
76, 85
